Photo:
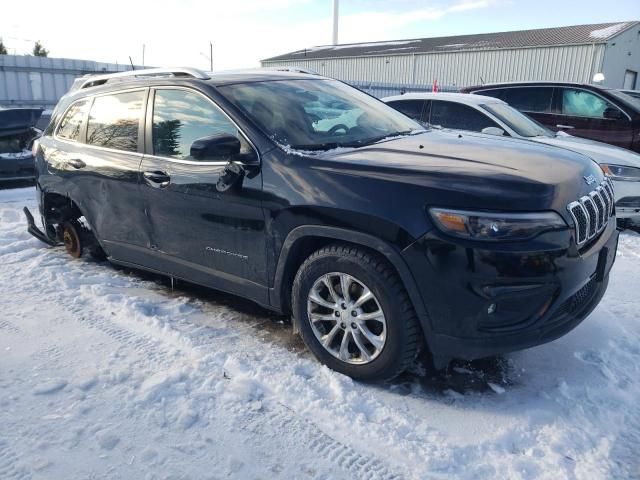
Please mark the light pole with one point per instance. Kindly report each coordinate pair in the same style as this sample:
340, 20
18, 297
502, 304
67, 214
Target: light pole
336, 5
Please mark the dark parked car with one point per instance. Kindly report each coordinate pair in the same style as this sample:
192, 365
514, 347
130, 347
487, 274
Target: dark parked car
314, 199
583, 110
17, 134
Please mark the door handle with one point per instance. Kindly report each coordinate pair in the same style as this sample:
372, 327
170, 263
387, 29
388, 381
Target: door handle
76, 163
566, 127
157, 179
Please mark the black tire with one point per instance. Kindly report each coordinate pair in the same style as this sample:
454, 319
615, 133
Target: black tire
403, 334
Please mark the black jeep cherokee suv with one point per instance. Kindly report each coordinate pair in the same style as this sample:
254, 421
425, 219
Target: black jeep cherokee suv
312, 198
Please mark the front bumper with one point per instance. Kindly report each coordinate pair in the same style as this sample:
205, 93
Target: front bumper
484, 300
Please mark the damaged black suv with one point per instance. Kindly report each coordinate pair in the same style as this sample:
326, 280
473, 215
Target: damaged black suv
314, 199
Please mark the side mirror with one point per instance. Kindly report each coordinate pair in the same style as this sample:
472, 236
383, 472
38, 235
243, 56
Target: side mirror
611, 113
493, 131
216, 147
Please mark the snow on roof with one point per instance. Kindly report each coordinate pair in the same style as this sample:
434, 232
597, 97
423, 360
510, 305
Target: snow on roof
571, 35
608, 31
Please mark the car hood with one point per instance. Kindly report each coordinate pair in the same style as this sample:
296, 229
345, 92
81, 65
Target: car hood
485, 168
18, 120
598, 151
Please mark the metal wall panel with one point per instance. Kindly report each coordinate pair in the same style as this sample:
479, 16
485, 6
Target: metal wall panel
27, 81
576, 63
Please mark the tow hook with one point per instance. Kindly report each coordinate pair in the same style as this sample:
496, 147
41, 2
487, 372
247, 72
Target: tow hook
35, 231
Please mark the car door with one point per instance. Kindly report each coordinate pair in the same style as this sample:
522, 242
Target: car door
215, 238
97, 150
457, 116
586, 114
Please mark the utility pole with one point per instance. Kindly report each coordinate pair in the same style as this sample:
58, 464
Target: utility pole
143, 54
210, 56
336, 5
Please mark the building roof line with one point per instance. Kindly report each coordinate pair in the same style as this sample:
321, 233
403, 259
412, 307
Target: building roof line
544, 37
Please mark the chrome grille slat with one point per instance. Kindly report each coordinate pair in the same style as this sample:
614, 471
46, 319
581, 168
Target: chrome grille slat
591, 213
599, 204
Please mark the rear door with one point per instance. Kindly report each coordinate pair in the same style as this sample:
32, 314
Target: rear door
198, 233
109, 167
586, 114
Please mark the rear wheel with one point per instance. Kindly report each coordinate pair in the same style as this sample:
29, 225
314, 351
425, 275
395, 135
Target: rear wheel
71, 239
354, 313
78, 239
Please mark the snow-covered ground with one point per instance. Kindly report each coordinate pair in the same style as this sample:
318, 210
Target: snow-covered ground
108, 373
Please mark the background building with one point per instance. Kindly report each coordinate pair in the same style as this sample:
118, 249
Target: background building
27, 81
573, 53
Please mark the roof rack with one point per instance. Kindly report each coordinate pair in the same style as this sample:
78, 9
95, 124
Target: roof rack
94, 80
293, 70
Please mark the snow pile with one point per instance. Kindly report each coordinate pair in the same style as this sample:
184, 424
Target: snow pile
107, 373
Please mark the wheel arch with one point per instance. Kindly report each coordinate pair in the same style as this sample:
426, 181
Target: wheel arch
304, 240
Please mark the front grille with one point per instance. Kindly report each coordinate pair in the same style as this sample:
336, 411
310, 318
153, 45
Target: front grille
591, 213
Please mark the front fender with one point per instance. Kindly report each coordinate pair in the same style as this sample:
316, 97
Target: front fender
391, 253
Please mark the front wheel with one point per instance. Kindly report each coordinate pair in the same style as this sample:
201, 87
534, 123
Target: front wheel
354, 313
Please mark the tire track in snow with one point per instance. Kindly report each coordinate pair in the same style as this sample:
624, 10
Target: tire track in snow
9, 327
275, 418
279, 418
9, 467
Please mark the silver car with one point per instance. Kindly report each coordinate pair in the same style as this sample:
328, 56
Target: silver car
489, 115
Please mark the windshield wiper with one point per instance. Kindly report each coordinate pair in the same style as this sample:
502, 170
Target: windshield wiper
372, 140
312, 147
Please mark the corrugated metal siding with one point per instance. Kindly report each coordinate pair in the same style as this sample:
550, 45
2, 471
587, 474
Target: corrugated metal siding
27, 81
575, 63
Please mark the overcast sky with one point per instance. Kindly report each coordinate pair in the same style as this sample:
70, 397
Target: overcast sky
245, 31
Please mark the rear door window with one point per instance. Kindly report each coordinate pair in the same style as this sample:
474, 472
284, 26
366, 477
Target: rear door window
411, 108
530, 99
71, 124
458, 117
114, 121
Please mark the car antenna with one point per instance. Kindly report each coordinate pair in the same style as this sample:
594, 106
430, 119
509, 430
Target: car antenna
481, 79
131, 61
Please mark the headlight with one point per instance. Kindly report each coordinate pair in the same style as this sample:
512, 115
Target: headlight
495, 226
618, 172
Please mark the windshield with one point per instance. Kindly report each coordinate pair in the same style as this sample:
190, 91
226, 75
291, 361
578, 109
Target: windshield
518, 122
317, 114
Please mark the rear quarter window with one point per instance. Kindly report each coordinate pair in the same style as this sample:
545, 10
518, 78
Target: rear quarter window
71, 123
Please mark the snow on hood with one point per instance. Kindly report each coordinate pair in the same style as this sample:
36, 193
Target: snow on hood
598, 151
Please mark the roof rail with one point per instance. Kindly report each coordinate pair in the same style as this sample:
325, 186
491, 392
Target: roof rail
293, 70
94, 80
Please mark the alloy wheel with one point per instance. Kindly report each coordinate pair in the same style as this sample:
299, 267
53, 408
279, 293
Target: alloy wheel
347, 318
